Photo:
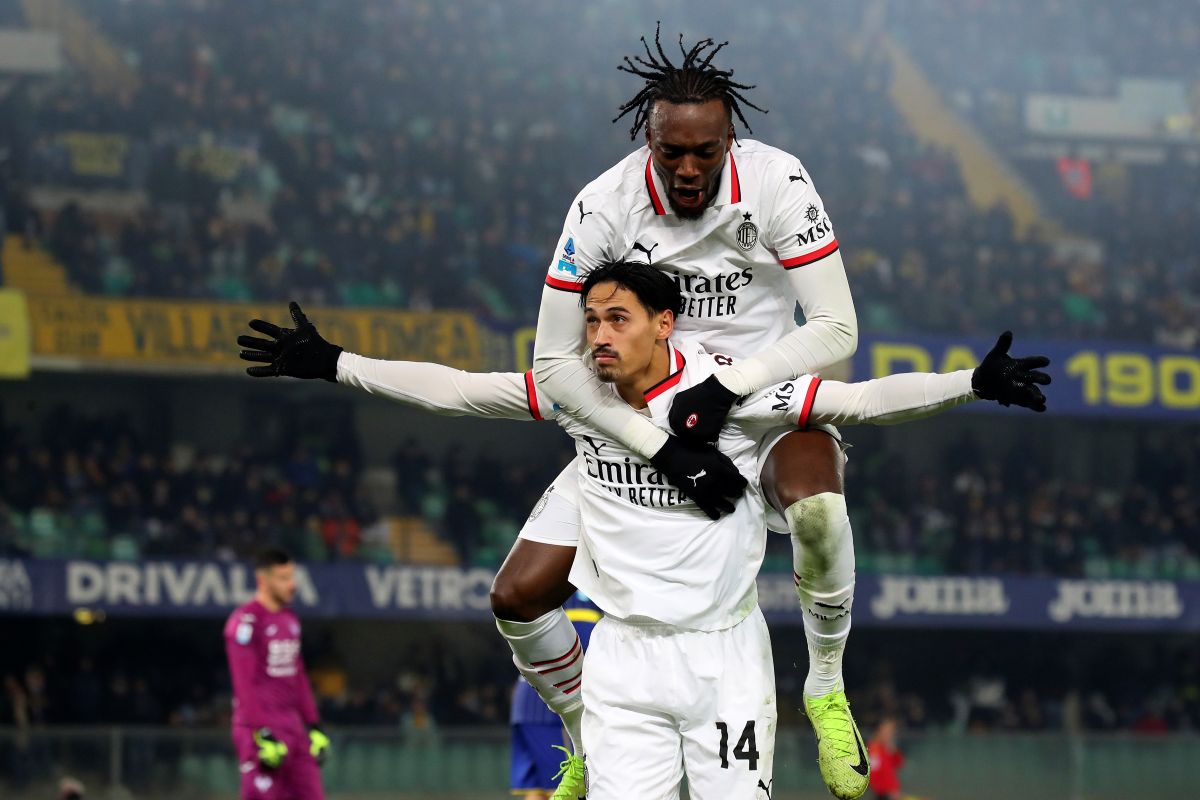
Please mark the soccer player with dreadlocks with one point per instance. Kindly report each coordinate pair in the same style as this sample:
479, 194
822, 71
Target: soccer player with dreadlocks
741, 229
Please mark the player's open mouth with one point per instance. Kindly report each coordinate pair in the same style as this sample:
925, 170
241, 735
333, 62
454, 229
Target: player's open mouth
688, 198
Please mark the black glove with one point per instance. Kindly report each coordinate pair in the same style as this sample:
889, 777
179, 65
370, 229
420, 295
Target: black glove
698, 413
298, 352
1008, 380
702, 473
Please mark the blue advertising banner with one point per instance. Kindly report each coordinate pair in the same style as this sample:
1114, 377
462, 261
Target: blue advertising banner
1106, 379
212, 589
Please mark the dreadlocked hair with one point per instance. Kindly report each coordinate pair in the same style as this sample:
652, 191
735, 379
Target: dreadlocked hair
695, 80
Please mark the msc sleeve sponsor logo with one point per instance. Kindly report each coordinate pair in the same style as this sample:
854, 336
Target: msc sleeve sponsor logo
958, 596
1116, 600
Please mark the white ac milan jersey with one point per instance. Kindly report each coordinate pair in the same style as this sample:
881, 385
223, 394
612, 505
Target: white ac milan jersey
731, 263
646, 551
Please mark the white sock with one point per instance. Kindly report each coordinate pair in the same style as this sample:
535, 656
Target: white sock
823, 561
549, 654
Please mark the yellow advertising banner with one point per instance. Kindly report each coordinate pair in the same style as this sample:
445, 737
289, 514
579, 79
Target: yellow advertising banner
96, 154
14, 335
165, 333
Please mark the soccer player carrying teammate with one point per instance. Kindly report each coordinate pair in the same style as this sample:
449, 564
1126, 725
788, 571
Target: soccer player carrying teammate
739, 226
680, 668
276, 732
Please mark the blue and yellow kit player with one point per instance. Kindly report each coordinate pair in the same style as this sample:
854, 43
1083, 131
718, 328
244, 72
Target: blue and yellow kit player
536, 730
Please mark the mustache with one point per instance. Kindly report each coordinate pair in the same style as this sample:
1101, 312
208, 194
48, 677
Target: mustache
604, 351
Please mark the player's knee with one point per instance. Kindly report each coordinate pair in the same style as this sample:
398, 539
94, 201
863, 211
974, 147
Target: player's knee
514, 603
820, 527
506, 602
814, 521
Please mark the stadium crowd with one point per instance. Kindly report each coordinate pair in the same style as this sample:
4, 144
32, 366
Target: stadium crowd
280, 160
93, 486
97, 486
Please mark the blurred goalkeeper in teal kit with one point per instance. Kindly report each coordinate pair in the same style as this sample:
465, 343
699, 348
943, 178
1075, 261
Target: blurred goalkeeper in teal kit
537, 732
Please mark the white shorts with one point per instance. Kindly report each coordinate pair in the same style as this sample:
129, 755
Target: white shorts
660, 700
555, 517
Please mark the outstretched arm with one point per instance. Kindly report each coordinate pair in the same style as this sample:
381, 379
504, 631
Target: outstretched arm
890, 400
904, 397
444, 390
302, 352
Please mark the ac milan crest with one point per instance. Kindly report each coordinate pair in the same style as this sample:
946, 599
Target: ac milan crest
747, 234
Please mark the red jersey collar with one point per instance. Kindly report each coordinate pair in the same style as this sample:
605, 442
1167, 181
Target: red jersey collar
668, 383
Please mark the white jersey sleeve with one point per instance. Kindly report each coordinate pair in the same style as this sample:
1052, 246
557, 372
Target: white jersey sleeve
801, 235
445, 390
883, 401
583, 246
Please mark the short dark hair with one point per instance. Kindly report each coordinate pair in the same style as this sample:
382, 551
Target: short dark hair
269, 557
695, 80
653, 288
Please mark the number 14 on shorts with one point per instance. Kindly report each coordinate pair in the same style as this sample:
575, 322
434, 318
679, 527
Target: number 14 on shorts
746, 748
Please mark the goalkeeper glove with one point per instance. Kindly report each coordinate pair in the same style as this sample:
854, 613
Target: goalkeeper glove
318, 743
1008, 380
271, 751
701, 472
698, 413
298, 352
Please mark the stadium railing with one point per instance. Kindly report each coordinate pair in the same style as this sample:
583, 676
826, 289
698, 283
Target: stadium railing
378, 762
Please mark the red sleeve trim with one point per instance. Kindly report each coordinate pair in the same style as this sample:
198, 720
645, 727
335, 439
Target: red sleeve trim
809, 258
735, 191
564, 286
658, 204
531, 397
806, 410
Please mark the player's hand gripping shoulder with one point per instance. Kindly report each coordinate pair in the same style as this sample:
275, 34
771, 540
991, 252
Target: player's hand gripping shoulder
1011, 381
702, 473
298, 352
698, 413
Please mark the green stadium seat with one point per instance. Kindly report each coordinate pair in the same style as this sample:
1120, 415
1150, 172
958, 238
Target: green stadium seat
124, 547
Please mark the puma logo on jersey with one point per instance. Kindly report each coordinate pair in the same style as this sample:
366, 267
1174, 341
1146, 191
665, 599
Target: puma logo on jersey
695, 479
642, 247
794, 178
766, 787
583, 213
597, 446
